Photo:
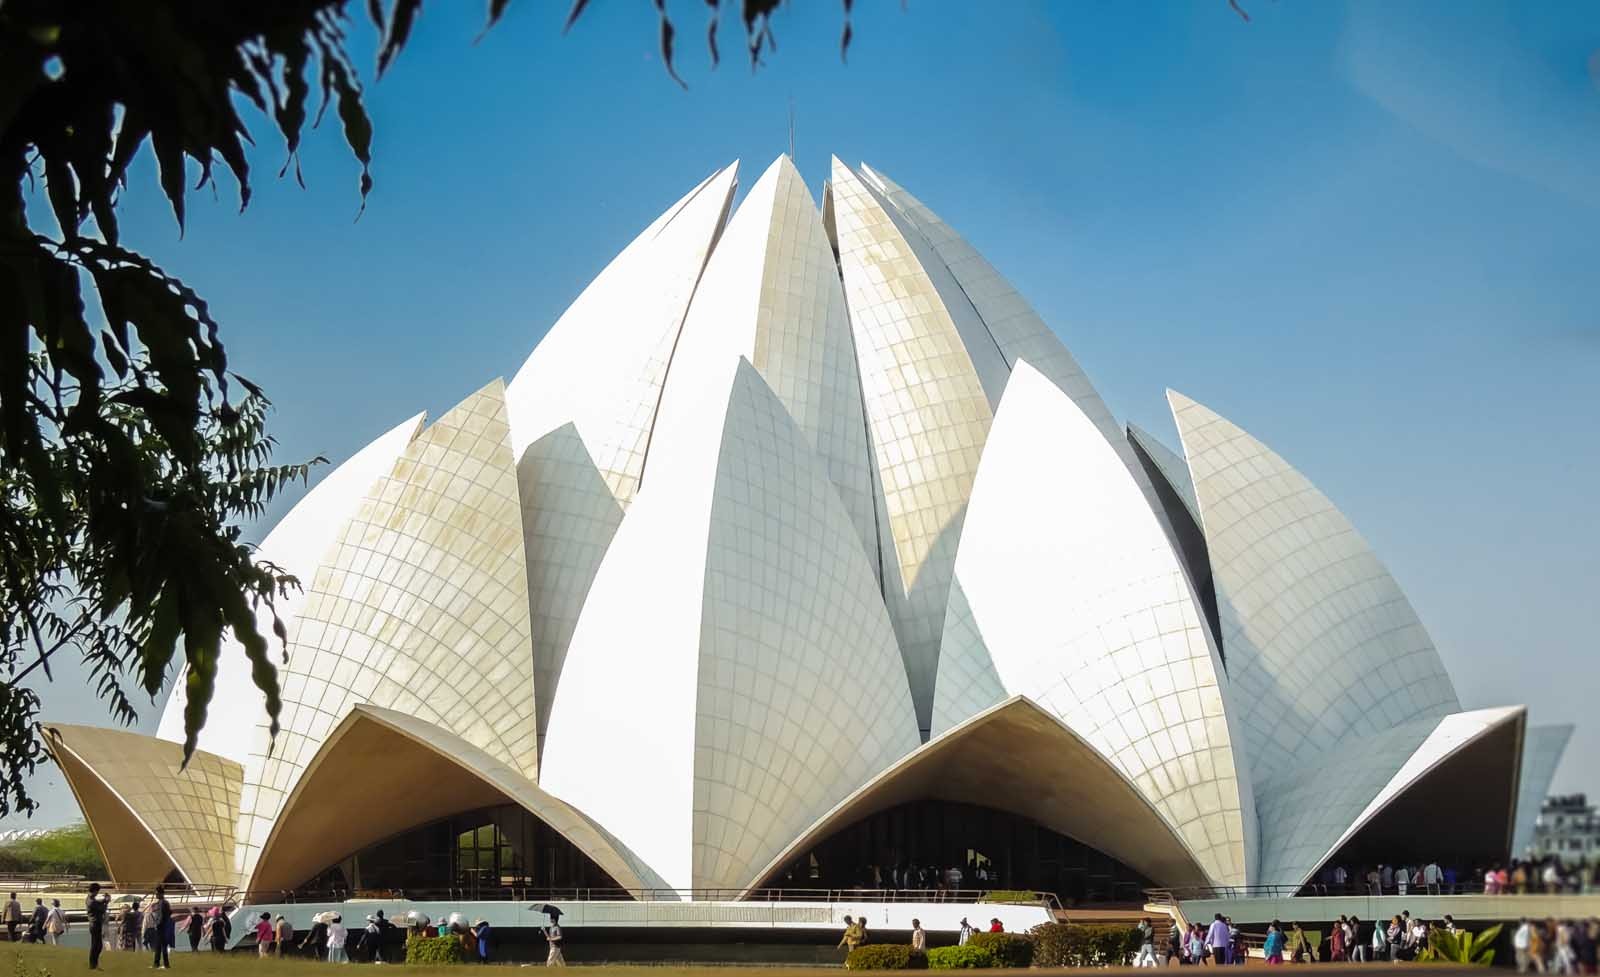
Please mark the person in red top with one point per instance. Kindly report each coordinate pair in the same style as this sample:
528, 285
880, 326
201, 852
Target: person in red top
995, 926
264, 934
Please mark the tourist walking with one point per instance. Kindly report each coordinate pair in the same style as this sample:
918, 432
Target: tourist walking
195, 927
130, 926
36, 922
1299, 947
965, 933
1566, 958
218, 929
13, 917
1338, 940
482, 933
337, 936
919, 937
1357, 949
1217, 940
1272, 946
316, 938
1174, 944
1147, 945
854, 935
1522, 944
160, 915
55, 923
282, 935
1432, 875
552, 935
370, 946
1538, 947
1197, 945
264, 935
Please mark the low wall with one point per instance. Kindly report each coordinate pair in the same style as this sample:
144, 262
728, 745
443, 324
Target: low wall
740, 920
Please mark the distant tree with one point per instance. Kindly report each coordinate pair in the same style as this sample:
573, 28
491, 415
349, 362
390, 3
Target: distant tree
71, 850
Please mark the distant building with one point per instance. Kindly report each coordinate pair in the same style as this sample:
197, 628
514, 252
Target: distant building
1568, 828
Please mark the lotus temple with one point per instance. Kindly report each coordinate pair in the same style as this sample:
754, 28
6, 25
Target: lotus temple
801, 551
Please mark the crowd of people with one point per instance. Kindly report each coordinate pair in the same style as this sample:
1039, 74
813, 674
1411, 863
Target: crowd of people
1520, 877
1557, 946
925, 878
41, 924
1219, 944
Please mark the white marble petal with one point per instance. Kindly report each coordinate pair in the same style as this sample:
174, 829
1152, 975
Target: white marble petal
1071, 592
1323, 646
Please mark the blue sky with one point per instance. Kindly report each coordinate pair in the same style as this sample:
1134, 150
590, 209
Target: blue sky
1366, 232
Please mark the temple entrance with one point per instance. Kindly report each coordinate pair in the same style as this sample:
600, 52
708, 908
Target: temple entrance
932, 844
488, 853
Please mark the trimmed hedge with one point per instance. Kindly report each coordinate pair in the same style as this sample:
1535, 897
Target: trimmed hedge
435, 950
1024, 897
1008, 949
1078, 945
885, 956
966, 957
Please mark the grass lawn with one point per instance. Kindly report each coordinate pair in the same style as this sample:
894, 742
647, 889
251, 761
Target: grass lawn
62, 961
49, 961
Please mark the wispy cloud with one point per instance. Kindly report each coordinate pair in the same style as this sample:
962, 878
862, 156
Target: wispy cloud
1481, 93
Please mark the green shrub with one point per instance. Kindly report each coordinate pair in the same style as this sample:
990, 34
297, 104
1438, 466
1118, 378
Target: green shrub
1078, 945
1461, 947
885, 956
435, 950
965, 957
1023, 896
1008, 949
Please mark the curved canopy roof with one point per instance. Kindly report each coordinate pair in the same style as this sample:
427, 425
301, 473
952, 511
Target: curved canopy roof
410, 772
1019, 758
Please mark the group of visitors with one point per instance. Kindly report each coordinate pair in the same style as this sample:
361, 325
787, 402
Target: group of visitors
1549, 876
327, 939
476, 938
925, 878
45, 924
1219, 944
1556, 947
153, 925
855, 933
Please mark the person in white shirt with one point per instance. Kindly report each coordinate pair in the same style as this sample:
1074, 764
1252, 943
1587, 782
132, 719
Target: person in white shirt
1520, 941
55, 923
552, 935
966, 932
919, 937
1340, 876
1566, 960
1431, 875
338, 936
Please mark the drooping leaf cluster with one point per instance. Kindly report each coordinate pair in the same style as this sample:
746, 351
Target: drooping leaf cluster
130, 455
